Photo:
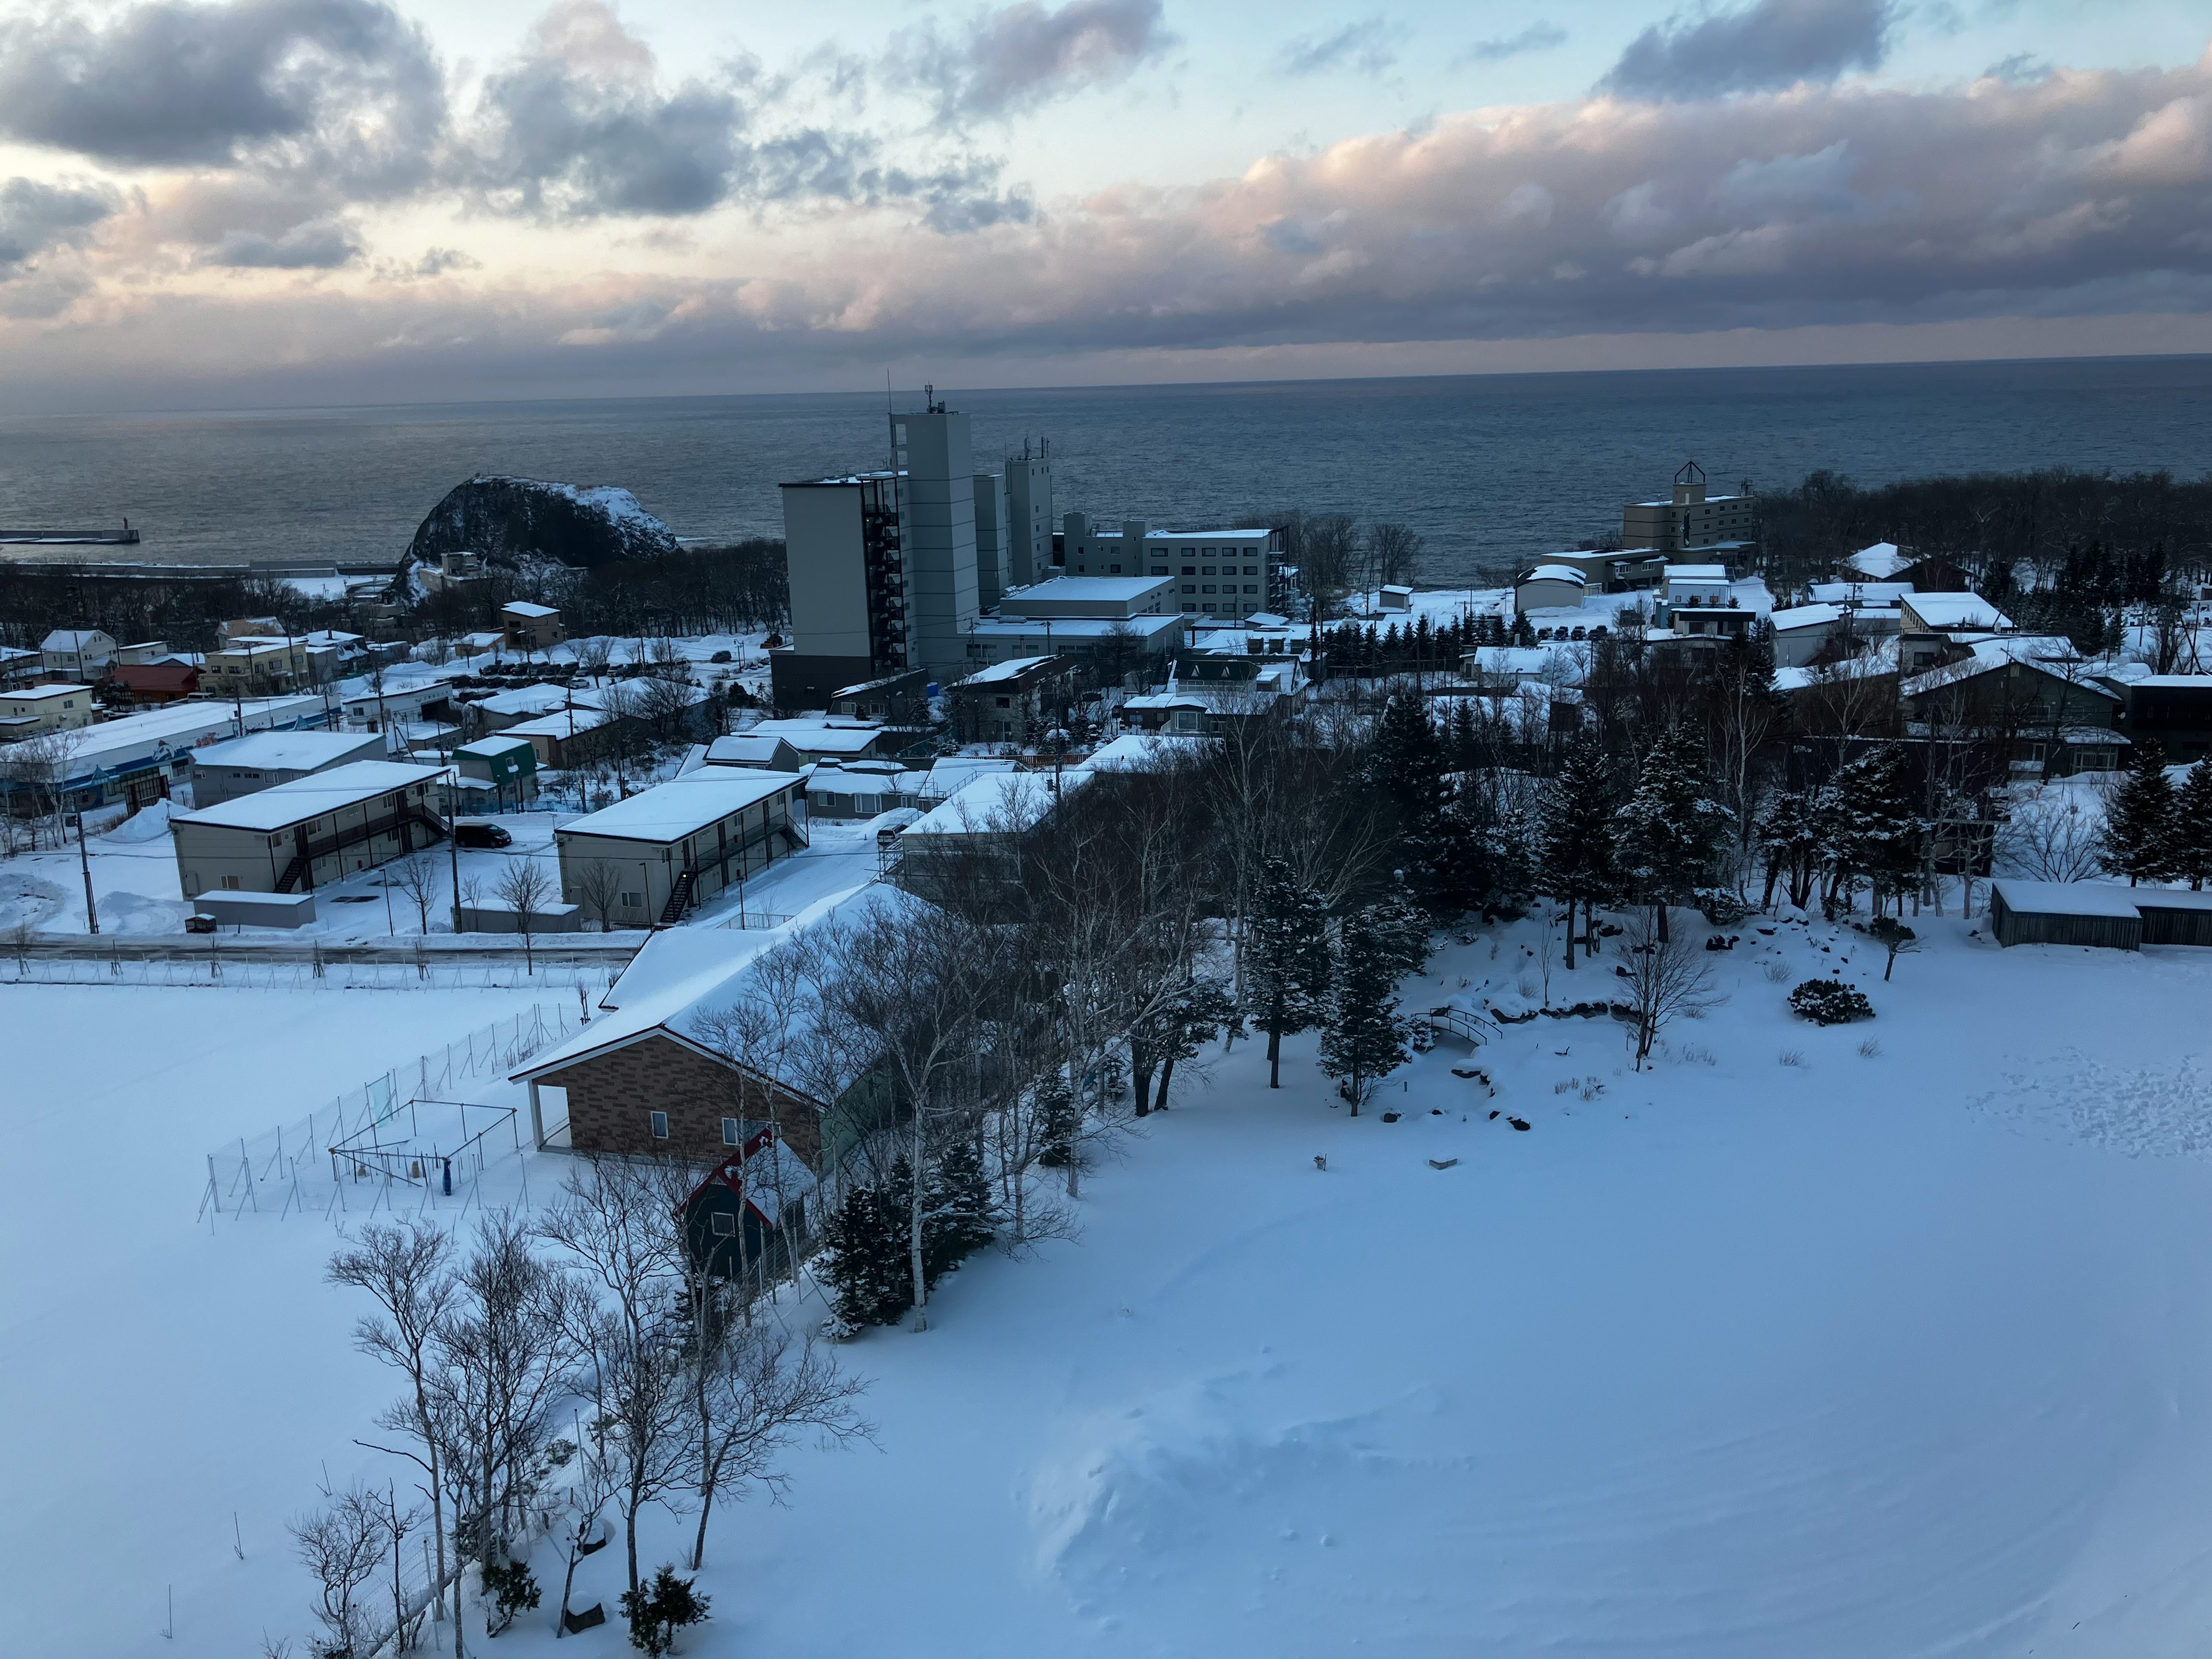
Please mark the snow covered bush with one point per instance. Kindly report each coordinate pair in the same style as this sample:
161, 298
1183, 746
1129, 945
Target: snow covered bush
1831, 1002
1721, 906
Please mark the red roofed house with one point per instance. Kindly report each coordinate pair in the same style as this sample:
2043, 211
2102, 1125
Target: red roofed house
146, 686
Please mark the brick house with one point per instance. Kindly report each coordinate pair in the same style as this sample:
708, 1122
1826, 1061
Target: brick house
651, 1075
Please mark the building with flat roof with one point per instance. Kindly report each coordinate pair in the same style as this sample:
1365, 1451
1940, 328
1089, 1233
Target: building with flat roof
1109, 596
306, 834
32, 709
666, 849
1215, 575
882, 565
1112, 647
526, 626
1691, 518
1029, 516
248, 765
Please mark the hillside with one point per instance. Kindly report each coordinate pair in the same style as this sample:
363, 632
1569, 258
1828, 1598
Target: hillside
1896, 1352
514, 518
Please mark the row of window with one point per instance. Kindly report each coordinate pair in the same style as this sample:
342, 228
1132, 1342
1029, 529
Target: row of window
1225, 609
732, 1129
1226, 588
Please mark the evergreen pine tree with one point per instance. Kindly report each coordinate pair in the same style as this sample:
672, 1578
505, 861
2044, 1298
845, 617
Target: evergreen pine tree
1868, 827
1407, 760
1287, 959
1185, 1022
1524, 631
871, 1282
1670, 830
2191, 842
958, 1216
1364, 1040
1576, 861
1789, 840
2140, 821
1058, 1122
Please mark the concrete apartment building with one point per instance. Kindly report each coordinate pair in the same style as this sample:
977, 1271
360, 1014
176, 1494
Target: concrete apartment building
675, 845
1029, 517
991, 533
248, 765
303, 834
37, 708
883, 565
1218, 575
1692, 518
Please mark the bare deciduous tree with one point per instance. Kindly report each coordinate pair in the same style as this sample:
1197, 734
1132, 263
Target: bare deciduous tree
525, 888
1667, 979
342, 1546
416, 877
599, 886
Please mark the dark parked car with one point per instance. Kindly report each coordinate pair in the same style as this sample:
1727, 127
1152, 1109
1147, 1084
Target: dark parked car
470, 833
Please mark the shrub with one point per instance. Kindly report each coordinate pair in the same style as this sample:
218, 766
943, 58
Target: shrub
1721, 906
1793, 1057
663, 1606
1831, 1002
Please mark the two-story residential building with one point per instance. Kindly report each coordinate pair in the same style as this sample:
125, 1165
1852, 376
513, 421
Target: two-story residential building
32, 709
303, 834
679, 844
81, 655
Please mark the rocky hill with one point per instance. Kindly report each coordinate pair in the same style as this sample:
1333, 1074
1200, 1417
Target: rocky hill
515, 517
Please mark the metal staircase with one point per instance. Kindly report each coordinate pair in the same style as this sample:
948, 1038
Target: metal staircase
679, 899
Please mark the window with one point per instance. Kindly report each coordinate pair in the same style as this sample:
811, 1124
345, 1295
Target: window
1116, 568
1190, 587
230, 884
660, 1126
1190, 604
1206, 607
1208, 571
730, 1132
1206, 587
1159, 570
1251, 587
1005, 703
1190, 570
1251, 569
633, 901
726, 1224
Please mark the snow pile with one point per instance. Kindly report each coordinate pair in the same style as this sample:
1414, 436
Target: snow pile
148, 824
2140, 1113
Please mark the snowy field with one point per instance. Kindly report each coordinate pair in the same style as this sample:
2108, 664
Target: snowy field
1897, 1353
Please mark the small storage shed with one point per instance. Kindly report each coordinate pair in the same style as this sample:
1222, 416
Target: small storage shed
2092, 913
751, 1211
2172, 915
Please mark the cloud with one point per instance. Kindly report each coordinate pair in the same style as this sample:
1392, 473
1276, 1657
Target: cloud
344, 88
1772, 44
2079, 196
36, 218
1020, 57
318, 245
1370, 47
581, 127
1537, 37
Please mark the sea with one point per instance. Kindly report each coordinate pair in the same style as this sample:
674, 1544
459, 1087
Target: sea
1493, 471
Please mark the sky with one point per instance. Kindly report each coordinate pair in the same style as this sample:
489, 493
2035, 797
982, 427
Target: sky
256, 202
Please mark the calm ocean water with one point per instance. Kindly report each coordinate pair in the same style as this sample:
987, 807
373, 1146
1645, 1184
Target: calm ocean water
1490, 469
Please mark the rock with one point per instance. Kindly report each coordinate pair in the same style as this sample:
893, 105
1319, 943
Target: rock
510, 518
1518, 1122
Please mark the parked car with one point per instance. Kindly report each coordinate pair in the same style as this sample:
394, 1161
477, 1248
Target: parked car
471, 832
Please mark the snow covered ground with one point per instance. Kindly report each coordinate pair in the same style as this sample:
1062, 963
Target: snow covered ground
1899, 1352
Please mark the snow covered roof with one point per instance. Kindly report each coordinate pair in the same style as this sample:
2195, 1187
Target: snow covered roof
539, 699
2069, 898
1697, 573
51, 689
1064, 589
684, 974
683, 806
1942, 610
2051, 655
745, 749
1807, 616
951, 774
524, 608
1012, 668
311, 796
1859, 593
1879, 563
287, 751
1009, 800
182, 726
1556, 573
825, 737
773, 1170
71, 638
1137, 751
492, 748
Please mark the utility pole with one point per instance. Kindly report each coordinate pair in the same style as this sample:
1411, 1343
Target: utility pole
453, 844
84, 856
